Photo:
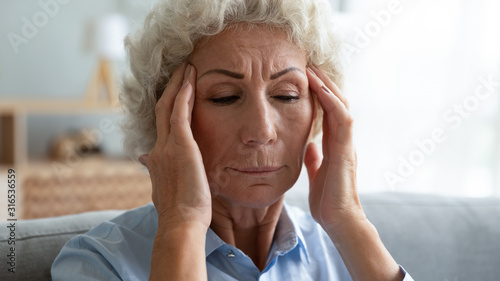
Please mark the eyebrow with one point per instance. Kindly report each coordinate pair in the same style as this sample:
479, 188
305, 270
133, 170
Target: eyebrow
224, 72
241, 76
285, 71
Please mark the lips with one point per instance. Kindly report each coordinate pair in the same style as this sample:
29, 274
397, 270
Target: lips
260, 171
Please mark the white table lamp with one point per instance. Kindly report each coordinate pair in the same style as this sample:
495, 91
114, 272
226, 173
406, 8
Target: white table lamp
108, 43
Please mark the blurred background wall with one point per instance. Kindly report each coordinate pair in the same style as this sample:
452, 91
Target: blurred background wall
424, 82
56, 63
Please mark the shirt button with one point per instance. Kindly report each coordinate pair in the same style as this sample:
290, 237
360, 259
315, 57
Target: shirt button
230, 255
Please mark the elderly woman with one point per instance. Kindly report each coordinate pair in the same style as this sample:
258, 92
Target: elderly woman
225, 99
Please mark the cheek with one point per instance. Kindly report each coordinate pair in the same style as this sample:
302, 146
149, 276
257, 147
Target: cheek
297, 120
216, 131
200, 124
210, 132
297, 132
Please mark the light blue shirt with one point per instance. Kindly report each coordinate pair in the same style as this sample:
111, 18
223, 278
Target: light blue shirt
121, 249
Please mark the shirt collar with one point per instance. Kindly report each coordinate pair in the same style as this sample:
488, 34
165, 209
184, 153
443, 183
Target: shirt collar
288, 235
212, 242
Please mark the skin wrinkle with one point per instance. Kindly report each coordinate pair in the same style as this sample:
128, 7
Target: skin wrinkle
256, 130
248, 122
241, 76
255, 157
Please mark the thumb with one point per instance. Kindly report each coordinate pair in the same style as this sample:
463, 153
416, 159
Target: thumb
144, 159
312, 160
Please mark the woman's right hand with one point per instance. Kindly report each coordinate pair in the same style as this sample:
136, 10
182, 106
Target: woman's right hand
181, 192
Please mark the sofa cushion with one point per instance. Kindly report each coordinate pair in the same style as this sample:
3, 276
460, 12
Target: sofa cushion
439, 238
39, 241
433, 237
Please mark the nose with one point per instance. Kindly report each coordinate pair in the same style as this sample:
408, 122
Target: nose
258, 122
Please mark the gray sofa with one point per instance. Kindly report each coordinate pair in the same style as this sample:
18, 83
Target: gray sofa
434, 238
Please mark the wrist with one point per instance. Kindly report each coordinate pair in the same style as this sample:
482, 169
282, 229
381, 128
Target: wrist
186, 239
345, 220
179, 250
182, 230
351, 231
363, 252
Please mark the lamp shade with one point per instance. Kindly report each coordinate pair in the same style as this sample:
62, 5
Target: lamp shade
109, 34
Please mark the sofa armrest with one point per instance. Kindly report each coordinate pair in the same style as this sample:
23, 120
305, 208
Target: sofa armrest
38, 242
439, 238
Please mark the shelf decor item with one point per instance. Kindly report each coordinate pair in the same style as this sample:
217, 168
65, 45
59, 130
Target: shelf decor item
107, 37
71, 145
106, 40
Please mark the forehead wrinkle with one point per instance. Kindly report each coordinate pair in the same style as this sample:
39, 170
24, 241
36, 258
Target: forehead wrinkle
283, 62
251, 58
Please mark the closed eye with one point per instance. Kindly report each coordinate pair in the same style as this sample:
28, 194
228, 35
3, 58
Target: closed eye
287, 98
225, 100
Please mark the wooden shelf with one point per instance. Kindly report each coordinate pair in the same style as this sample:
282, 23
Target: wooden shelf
13, 116
13, 113
43, 106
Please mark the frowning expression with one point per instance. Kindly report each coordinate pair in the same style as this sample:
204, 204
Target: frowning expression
252, 115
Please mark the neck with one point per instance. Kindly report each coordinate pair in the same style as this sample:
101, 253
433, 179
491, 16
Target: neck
248, 229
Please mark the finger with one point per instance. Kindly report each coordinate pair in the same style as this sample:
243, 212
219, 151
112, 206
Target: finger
337, 115
144, 158
165, 104
192, 81
330, 84
312, 160
326, 135
180, 120
325, 85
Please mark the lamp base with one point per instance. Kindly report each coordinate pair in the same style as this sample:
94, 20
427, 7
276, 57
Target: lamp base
103, 76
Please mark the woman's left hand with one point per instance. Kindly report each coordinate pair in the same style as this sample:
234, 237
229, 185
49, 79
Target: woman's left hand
333, 198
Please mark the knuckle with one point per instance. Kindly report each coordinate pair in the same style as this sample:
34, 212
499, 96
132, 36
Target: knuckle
154, 159
346, 103
177, 121
349, 120
158, 155
160, 106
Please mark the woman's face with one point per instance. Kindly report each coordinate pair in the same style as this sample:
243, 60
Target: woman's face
253, 114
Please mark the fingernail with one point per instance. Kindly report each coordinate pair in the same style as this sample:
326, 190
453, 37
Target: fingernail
326, 90
142, 159
187, 72
186, 76
312, 71
184, 85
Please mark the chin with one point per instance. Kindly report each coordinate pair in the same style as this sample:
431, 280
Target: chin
256, 196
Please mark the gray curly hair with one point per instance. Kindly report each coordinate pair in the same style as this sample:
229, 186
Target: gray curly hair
173, 29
